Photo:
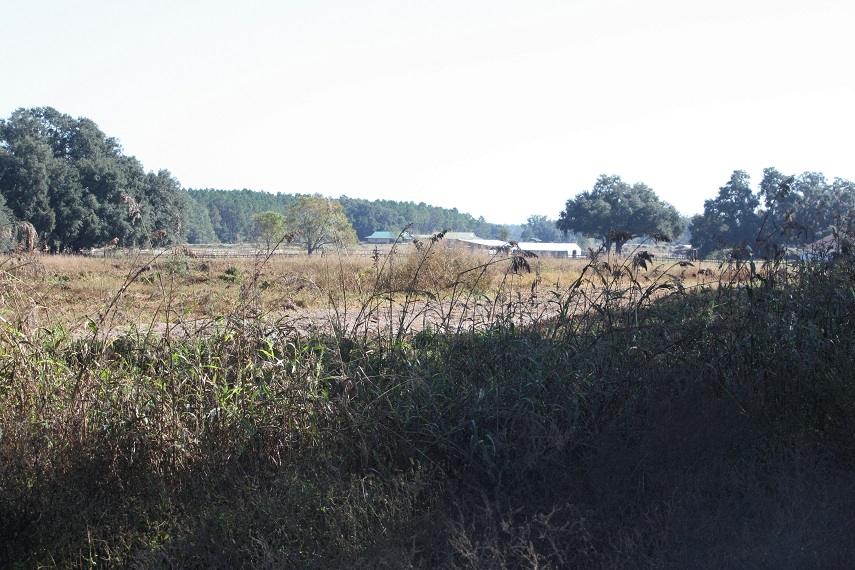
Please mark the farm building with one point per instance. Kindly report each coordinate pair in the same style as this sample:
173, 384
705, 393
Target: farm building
540, 248
387, 237
547, 249
491, 244
462, 236
828, 247
683, 251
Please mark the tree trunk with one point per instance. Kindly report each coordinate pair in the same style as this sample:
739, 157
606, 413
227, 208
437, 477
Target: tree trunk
607, 244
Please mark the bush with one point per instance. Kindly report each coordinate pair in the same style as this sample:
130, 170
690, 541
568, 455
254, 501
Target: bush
232, 275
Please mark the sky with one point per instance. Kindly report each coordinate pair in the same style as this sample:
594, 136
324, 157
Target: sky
501, 109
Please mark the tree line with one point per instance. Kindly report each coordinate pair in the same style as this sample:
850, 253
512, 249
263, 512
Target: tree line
231, 214
79, 190
785, 211
76, 187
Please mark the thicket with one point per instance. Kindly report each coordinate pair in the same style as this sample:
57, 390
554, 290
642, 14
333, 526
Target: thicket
447, 418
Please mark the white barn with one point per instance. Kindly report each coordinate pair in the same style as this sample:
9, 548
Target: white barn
571, 250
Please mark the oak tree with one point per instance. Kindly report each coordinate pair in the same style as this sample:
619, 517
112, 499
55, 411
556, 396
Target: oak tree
730, 220
615, 212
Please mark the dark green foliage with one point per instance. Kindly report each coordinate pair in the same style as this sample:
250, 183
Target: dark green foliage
729, 220
230, 212
616, 212
6, 216
76, 187
787, 211
810, 208
540, 228
232, 275
25, 178
199, 226
366, 217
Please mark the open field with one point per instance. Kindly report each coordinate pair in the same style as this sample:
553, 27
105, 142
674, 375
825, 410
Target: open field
430, 409
155, 290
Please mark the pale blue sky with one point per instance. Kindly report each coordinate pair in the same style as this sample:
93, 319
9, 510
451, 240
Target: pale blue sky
498, 108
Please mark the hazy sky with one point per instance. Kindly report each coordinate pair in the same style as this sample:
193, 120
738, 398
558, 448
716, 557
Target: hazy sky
501, 109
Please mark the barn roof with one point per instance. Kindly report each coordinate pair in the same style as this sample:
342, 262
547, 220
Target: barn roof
461, 236
486, 242
546, 246
388, 235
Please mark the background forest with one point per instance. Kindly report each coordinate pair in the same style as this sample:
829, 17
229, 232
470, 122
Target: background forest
78, 189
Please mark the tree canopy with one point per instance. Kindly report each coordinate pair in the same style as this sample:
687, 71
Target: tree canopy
75, 186
368, 216
230, 213
269, 229
5, 213
615, 212
730, 219
786, 211
319, 222
811, 207
541, 228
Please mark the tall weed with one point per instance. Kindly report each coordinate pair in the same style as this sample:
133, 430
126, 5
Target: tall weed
455, 411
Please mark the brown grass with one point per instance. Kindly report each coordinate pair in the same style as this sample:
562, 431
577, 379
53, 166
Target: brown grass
643, 422
72, 291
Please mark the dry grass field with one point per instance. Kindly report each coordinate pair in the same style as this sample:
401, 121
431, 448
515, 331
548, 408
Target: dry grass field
173, 292
432, 407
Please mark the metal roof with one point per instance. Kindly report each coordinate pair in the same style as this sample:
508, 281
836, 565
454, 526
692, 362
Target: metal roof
547, 246
461, 236
486, 242
388, 235
526, 245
